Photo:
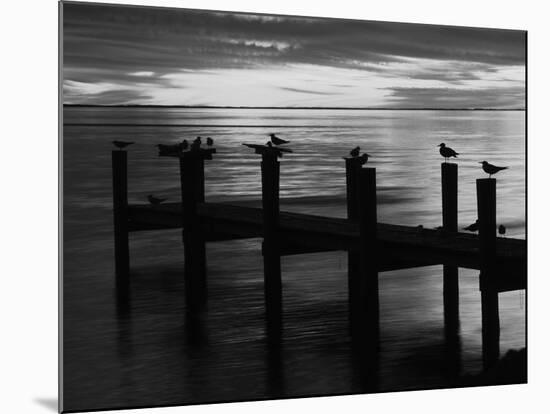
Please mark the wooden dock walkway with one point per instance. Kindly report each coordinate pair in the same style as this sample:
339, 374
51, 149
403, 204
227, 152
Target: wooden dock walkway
402, 246
372, 247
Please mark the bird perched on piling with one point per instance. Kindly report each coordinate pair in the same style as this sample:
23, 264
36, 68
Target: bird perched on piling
473, 227
501, 230
121, 144
184, 145
355, 152
447, 152
196, 143
490, 168
364, 158
277, 141
154, 200
209, 141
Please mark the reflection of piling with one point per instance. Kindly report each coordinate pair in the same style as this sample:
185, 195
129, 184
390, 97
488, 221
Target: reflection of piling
271, 246
353, 166
368, 284
486, 210
120, 209
449, 192
192, 192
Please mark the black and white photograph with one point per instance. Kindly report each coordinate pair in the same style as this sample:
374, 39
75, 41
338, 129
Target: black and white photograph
266, 206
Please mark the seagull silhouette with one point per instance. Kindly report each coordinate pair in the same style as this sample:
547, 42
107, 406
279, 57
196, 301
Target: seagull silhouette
490, 168
278, 141
121, 144
364, 158
473, 227
196, 143
355, 152
447, 152
209, 141
501, 230
154, 200
184, 145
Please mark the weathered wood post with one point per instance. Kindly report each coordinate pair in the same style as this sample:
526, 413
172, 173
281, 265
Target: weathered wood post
367, 292
353, 167
271, 247
486, 211
449, 192
192, 192
120, 210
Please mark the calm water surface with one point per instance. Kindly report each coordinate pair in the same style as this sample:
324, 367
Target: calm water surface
147, 353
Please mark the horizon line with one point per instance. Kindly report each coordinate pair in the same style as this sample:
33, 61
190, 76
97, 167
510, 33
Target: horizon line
293, 107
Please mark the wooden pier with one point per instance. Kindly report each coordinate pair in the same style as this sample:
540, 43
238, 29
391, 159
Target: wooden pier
372, 247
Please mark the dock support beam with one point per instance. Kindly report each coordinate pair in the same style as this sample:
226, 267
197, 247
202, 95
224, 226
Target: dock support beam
449, 192
271, 247
486, 210
366, 295
120, 210
192, 192
353, 167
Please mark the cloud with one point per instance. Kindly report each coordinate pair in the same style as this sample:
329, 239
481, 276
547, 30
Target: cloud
102, 94
110, 97
308, 91
501, 98
179, 38
144, 73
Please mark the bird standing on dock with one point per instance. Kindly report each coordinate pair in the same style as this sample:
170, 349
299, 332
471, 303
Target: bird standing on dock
209, 141
121, 144
355, 152
364, 158
490, 168
277, 141
501, 230
184, 145
447, 152
154, 200
473, 227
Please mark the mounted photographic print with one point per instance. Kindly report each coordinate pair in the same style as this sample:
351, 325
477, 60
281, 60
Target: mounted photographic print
265, 207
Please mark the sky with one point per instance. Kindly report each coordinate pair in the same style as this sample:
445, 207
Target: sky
117, 55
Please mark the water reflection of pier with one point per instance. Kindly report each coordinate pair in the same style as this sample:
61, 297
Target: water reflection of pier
372, 247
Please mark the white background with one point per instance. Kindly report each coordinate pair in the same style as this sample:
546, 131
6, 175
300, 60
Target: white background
28, 182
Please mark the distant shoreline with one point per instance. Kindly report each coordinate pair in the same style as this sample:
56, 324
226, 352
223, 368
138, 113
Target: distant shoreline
290, 107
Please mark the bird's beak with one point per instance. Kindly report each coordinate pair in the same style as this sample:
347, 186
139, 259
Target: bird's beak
480, 162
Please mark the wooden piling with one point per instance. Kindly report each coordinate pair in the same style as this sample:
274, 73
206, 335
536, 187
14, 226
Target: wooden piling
366, 296
353, 167
192, 192
120, 210
486, 210
271, 247
449, 192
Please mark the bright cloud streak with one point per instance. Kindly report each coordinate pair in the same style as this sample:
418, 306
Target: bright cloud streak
142, 74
